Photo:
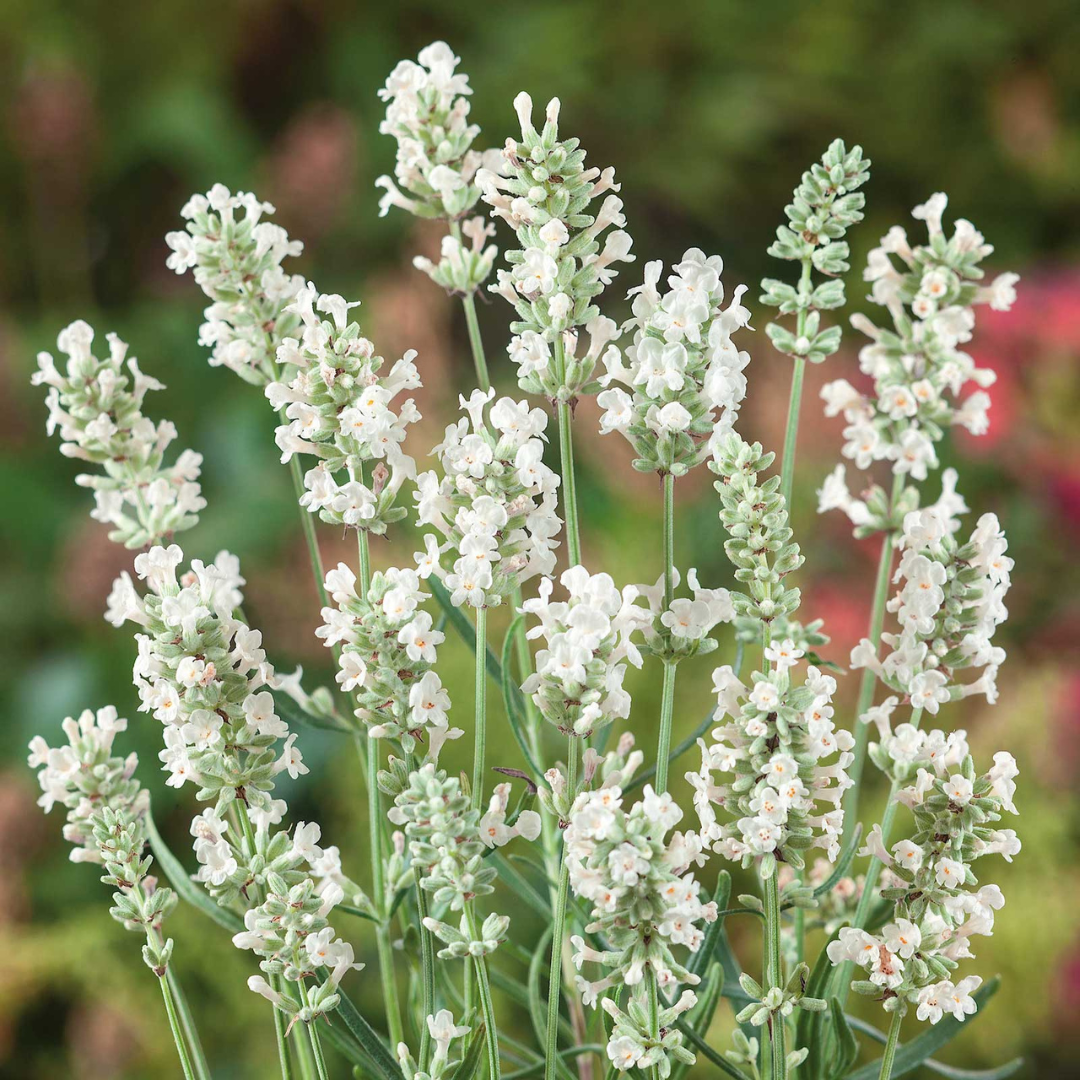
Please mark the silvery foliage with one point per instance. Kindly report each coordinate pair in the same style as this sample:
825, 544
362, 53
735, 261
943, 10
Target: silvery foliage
543, 190
105, 812
98, 410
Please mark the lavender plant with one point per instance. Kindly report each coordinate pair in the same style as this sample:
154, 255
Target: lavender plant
631, 924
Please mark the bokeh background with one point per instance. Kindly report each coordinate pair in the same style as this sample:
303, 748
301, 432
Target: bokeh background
113, 112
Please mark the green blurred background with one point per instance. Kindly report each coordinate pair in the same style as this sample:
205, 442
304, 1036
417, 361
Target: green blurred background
112, 113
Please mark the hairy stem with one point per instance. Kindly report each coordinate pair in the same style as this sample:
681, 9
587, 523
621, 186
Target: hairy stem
774, 976
177, 1031
566, 457
313, 1035
667, 710
480, 732
869, 679
476, 343
558, 928
487, 1007
187, 1022
889, 1056
279, 1032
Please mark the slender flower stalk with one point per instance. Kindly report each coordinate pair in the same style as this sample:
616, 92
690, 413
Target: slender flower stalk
558, 924
480, 713
888, 1057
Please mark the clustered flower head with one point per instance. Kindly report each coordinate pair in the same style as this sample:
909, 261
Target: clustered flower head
388, 654
824, 206
446, 849
754, 514
645, 901
774, 746
544, 192
948, 607
237, 263
290, 931
341, 412
578, 681
105, 821
919, 371
680, 629
427, 113
495, 505
444, 1033
683, 366
98, 410
939, 904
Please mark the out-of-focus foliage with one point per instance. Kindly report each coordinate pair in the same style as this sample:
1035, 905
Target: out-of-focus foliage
112, 113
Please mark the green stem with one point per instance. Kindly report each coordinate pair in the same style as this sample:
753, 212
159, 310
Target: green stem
480, 733
382, 927
566, 456
476, 343
558, 929
487, 1007
313, 1036
279, 1032
774, 976
177, 1032
654, 1011
869, 679
791, 434
669, 539
427, 957
307, 523
889, 1056
187, 1022
667, 710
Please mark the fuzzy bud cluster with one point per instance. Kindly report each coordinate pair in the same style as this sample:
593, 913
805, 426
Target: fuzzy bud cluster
774, 748
644, 902
633, 1044
578, 681
237, 263
105, 821
755, 517
495, 504
443, 832
340, 411
387, 660
97, 408
290, 931
681, 629
545, 193
682, 366
427, 113
919, 370
444, 1033
824, 206
939, 904
948, 606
